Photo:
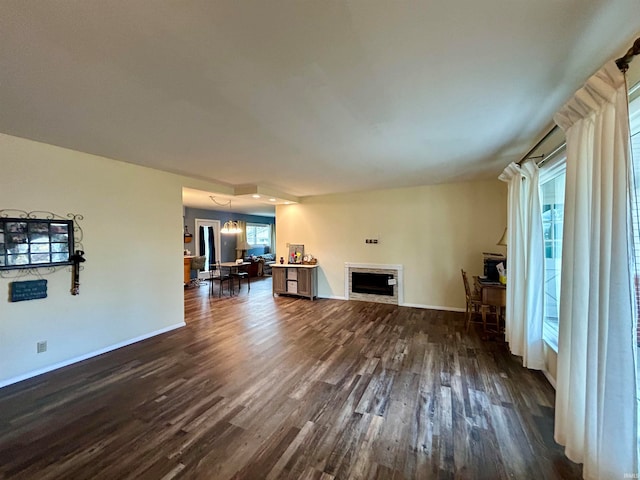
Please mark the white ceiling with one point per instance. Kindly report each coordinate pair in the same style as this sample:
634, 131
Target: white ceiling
220, 202
308, 97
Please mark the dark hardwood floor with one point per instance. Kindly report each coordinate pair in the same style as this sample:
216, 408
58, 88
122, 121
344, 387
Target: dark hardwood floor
260, 387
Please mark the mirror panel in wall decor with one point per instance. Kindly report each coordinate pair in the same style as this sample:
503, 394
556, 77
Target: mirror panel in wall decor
33, 242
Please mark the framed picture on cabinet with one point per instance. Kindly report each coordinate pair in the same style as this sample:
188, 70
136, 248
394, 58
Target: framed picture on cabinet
296, 252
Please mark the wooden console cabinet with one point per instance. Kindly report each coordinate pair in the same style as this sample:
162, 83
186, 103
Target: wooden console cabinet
301, 280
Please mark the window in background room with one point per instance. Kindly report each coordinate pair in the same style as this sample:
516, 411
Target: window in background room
552, 182
258, 234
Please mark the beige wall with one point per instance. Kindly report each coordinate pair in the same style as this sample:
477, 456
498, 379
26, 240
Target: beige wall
131, 285
433, 231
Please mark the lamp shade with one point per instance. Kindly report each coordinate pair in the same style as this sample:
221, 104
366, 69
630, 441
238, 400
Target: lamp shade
503, 239
243, 246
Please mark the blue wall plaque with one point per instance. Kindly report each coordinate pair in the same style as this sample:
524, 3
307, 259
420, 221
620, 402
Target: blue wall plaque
28, 290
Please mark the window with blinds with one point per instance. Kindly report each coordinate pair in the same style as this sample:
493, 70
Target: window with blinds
258, 234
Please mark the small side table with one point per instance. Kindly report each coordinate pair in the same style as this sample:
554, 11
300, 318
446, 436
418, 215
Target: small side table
493, 294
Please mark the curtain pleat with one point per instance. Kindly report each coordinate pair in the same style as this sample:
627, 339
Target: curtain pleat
533, 354
596, 405
524, 313
515, 256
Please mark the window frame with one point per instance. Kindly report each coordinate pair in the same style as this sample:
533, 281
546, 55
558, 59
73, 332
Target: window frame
550, 171
256, 224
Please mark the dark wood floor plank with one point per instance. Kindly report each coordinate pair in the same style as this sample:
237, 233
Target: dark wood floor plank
286, 388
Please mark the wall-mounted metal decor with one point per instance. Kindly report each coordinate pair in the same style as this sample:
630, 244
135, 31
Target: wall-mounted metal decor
77, 258
39, 243
29, 243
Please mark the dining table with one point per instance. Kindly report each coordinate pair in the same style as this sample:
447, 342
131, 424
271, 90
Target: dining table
234, 267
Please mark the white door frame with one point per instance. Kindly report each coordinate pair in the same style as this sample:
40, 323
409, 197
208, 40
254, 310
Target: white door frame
215, 224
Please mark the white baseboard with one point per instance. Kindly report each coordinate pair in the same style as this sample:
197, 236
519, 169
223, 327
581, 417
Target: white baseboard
55, 366
551, 380
413, 305
433, 307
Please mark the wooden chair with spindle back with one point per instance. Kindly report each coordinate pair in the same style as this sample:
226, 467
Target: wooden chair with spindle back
474, 303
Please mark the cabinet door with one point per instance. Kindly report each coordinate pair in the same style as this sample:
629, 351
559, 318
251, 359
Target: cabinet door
187, 270
279, 279
304, 281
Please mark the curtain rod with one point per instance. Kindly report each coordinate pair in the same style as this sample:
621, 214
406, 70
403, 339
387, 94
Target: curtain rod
623, 65
540, 142
623, 62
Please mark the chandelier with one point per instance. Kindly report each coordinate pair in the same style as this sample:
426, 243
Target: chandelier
230, 226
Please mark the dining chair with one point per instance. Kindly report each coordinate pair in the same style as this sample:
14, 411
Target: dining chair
240, 274
474, 303
216, 273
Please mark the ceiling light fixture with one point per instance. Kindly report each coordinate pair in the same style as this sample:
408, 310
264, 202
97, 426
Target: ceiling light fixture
272, 199
255, 195
230, 226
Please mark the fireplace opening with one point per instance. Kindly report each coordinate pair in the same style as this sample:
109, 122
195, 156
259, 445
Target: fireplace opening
372, 283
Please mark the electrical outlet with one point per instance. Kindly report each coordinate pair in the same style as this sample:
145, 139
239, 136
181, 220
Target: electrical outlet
41, 347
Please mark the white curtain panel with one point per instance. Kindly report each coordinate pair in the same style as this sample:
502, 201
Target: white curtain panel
525, 268
533, 354
596, 406
515, 255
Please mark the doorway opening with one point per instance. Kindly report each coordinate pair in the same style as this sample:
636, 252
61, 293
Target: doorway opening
207, 236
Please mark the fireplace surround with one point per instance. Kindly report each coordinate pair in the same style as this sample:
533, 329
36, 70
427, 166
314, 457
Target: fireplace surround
383, 283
